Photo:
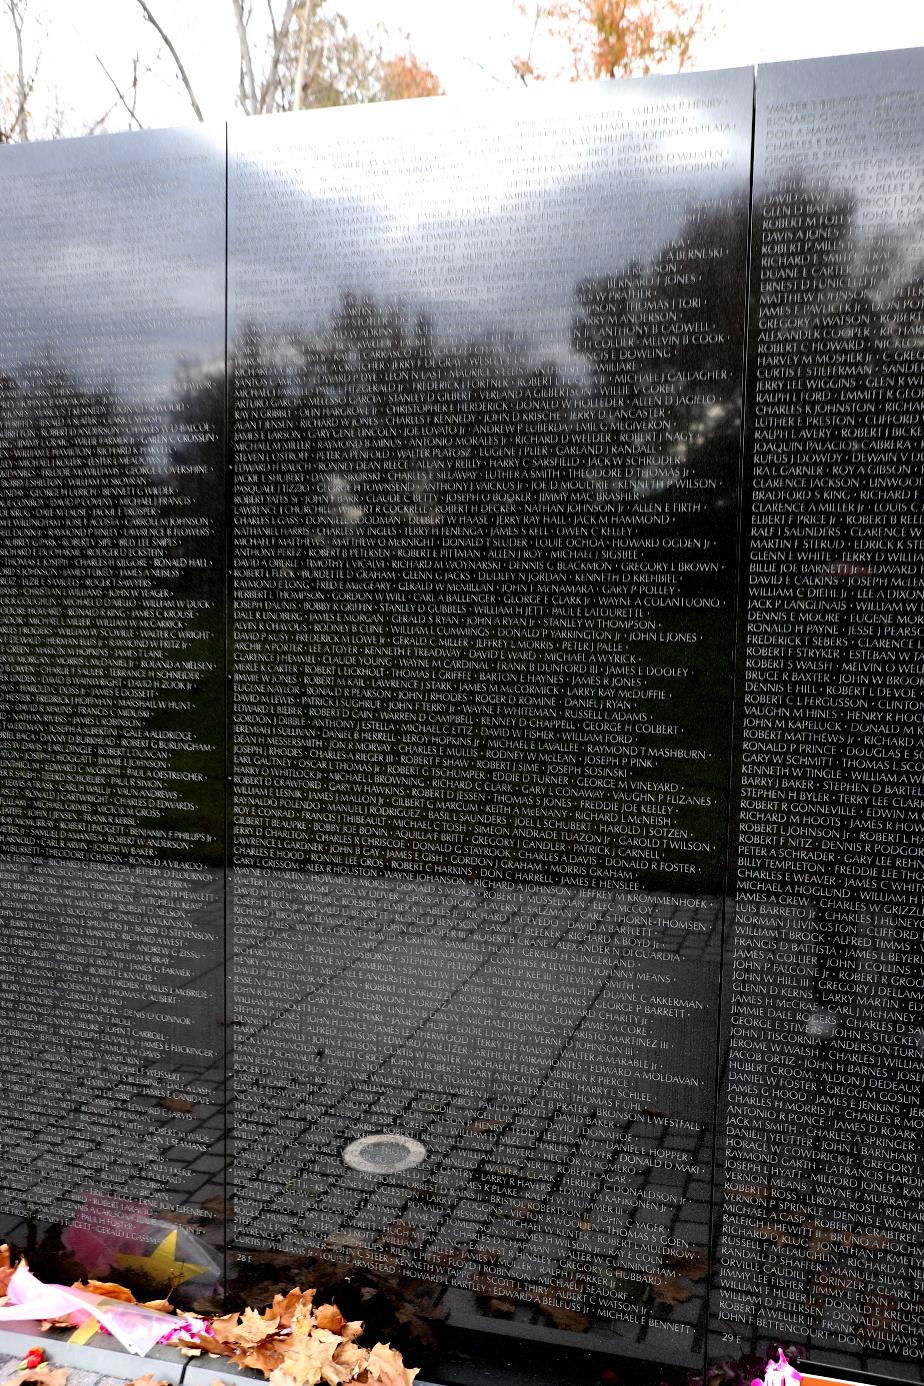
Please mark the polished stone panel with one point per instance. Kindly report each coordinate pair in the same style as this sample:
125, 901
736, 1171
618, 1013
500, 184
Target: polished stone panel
485, 400
823, 1182
111, 689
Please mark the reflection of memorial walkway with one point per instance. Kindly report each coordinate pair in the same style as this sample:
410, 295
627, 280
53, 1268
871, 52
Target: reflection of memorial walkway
532, 1039
508, 1031
824, 1219
83, 1111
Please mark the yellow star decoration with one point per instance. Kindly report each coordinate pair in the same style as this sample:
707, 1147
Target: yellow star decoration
85, 1332
161, 1266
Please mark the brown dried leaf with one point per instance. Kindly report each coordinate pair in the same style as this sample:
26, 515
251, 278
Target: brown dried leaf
148, 1380
350, 1358
329, 1316
162, 1306
386, 1365
254, 1329
107, 1288
309, 1358
214, 1346
225, 1328
265, 1357
176, 1104
283, 1307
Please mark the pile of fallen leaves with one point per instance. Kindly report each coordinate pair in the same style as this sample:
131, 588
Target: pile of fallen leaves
294, 1343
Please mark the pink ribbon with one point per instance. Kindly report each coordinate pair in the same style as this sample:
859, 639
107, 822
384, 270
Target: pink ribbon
136, 1328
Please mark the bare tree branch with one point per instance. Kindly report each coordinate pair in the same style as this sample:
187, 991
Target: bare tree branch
120, 94
175, 55
92, 129
271, 85
307, 15
247, 82
17, 12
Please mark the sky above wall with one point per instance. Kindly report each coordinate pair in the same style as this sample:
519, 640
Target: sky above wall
469, 44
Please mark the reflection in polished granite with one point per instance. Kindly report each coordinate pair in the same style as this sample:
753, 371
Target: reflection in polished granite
824, 1167
485, 399
111, 677
485, 391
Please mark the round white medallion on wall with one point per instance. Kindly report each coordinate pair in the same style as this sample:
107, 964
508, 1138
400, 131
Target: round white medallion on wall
386, 1153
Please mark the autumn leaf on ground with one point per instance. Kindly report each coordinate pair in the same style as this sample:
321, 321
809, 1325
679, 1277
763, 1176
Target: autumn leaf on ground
329, 1316
160, 1306
108, 1289
387, 1366
350, 1358
669, 1290
225, 1328
693, 1263
283, 1307
253, 1329
44, 1375
148, 1380
265, 1357
308, 1360
213, 1346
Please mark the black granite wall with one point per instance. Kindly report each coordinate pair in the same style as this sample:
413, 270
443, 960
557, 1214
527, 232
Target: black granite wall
423, 812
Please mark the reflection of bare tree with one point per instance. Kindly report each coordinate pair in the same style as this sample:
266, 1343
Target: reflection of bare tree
97, 488
399, 446
830, 869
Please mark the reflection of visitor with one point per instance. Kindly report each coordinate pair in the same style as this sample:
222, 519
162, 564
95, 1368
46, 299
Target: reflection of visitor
841, 605
829, 608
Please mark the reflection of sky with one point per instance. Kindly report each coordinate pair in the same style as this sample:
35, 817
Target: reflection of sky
486, 218
114, 254
854, 125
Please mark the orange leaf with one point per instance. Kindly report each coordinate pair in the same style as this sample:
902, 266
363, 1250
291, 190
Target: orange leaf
265, 1357
283, 1307
225, 1328
351, 1358
254, 1329
387, 1366
107, 1288
308, 1360
329, 1316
